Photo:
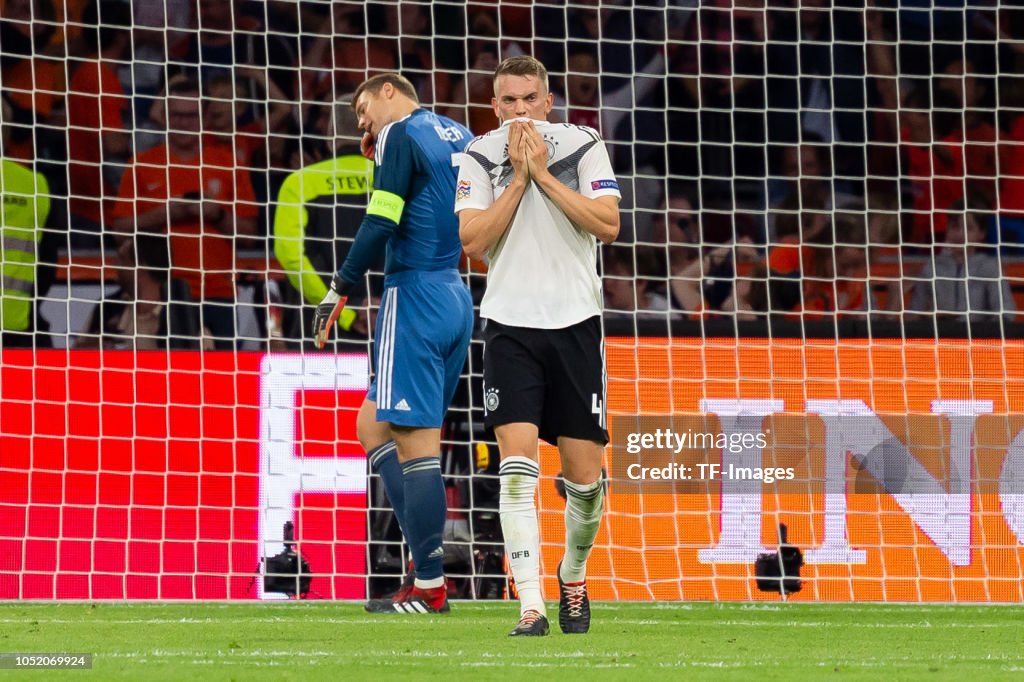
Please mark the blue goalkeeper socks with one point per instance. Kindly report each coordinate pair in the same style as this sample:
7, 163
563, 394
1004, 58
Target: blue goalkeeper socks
426, 508
384, 461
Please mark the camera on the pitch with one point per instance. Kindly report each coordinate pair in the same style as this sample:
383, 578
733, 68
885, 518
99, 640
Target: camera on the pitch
287, 572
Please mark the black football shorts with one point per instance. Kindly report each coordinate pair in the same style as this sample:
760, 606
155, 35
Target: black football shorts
553, 378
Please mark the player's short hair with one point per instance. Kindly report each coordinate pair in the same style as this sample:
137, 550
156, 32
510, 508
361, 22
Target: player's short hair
373, 84
523, 65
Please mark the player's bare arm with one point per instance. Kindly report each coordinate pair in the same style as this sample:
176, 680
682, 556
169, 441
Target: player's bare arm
598, 216
480, 230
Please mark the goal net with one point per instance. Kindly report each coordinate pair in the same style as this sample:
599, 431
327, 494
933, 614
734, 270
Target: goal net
811, 310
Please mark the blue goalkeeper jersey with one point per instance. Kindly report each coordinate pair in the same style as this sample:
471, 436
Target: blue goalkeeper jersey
411, 207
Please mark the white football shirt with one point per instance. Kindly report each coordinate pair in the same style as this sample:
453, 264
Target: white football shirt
543, 272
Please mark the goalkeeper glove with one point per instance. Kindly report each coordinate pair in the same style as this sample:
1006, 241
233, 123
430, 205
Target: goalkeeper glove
368, 146
329, 309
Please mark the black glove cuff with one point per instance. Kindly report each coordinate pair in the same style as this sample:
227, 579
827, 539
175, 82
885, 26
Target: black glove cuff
340, 286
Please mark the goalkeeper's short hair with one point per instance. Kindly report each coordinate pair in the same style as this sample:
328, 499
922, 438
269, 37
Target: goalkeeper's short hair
373, 85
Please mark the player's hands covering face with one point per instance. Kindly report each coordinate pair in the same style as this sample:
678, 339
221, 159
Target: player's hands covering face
535, 148
517, 151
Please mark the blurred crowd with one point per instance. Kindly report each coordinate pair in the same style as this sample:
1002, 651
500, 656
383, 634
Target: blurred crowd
797, 157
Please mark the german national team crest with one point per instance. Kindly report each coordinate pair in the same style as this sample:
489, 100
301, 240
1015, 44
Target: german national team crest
491, 400
463, 190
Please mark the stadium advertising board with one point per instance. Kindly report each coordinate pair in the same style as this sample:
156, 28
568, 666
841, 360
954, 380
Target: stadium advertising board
168, 476
947, 537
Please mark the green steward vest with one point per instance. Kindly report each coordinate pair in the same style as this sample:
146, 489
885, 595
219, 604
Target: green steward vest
319, 209
26, 206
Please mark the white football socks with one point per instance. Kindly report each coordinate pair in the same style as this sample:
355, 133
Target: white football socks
583, 507
518, 508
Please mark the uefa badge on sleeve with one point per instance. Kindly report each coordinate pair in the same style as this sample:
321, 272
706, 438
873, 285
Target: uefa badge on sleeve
463, 190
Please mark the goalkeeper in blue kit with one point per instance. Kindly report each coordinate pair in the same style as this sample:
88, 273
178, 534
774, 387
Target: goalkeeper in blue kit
425, 320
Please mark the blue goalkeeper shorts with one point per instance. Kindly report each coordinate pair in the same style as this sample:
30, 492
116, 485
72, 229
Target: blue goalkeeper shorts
422, 337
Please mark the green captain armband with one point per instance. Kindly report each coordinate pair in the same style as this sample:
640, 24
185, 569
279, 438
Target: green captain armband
347, 317
386, 205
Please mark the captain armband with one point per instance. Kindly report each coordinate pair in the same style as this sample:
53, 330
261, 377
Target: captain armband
386, 205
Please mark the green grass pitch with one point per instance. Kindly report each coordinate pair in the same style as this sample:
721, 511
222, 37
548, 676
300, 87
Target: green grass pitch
634, 641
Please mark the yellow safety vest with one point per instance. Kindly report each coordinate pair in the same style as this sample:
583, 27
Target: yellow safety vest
26, 205
324, 184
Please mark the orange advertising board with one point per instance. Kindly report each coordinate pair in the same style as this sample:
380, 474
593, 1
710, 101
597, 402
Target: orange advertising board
958, 539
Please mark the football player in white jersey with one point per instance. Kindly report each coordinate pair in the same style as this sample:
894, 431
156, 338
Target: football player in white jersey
534, 198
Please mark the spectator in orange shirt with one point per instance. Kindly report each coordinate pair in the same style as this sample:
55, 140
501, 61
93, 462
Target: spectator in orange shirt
803, 233
828, 262
840, 285
98, 142
256, 141
194, 193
